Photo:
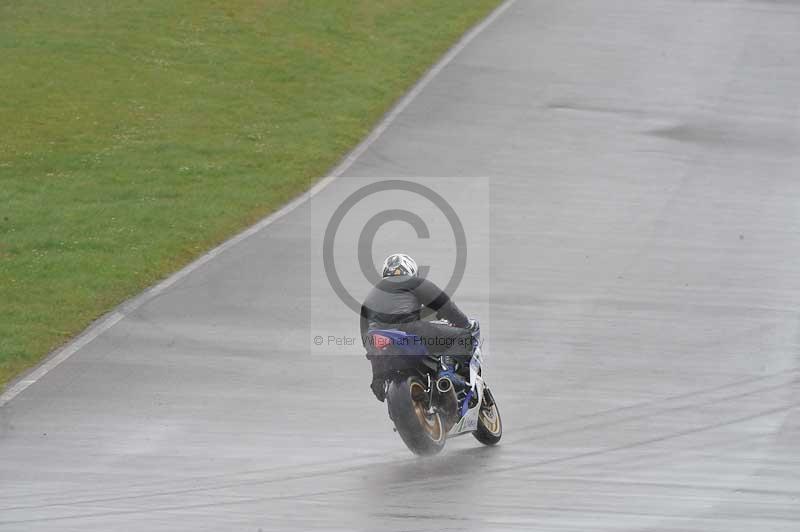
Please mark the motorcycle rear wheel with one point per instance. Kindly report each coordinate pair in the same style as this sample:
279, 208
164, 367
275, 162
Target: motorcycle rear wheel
423, 432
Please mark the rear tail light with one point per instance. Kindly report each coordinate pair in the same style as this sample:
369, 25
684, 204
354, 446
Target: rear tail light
380, 341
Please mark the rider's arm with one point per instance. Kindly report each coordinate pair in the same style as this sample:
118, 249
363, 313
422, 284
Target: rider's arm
436, 299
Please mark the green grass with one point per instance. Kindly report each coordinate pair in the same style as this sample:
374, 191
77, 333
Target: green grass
135, 135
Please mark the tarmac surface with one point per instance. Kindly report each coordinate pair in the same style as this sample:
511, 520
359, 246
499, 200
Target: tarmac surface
627, 174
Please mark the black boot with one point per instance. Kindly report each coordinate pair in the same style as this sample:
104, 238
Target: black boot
378, 387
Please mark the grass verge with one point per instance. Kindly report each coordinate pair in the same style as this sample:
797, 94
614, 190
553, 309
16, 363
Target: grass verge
138, 134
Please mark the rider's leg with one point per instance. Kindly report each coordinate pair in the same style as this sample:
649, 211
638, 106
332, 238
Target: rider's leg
379, 371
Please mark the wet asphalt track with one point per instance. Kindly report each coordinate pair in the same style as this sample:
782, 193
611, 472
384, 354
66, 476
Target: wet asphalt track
644, 295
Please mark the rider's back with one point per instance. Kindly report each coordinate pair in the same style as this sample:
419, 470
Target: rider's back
396, 300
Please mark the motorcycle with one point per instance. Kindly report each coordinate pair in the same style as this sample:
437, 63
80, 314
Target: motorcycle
427, 396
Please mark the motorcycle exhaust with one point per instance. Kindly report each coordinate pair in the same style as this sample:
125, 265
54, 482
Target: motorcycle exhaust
446, 402
444, 385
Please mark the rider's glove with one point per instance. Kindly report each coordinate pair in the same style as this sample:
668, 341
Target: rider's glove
473, 325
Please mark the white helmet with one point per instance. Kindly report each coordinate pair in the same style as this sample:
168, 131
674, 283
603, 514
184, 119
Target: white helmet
399, 264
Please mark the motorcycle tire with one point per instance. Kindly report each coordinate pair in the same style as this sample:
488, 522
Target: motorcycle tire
422, 432
490, 426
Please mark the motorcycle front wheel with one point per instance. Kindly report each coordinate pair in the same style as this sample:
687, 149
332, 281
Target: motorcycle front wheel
422, 430
490, 426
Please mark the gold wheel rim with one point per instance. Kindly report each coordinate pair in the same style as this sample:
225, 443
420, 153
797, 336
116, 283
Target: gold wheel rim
491, 419
431, 423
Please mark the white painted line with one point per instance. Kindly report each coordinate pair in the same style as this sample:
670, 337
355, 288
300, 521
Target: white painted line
111, 319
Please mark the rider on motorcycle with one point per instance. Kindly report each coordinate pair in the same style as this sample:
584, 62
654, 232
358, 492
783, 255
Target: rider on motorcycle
396, 302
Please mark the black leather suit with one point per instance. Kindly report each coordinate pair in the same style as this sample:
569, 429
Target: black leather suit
398, 302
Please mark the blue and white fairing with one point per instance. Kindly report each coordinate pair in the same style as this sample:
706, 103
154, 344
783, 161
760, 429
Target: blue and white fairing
469, 416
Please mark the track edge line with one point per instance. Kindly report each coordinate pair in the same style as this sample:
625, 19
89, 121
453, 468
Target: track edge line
108, 320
